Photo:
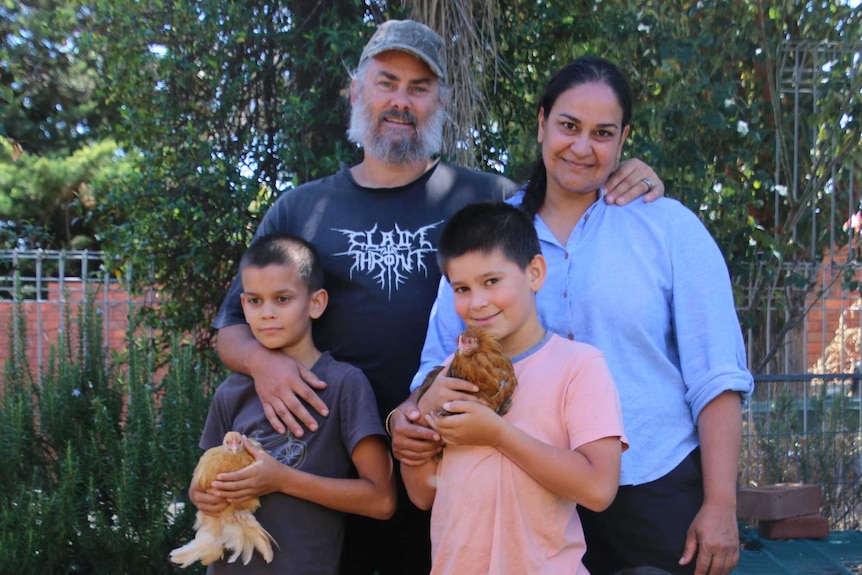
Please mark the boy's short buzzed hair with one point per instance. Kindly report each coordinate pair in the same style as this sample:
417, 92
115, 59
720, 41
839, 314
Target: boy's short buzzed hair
286, 250
485, 227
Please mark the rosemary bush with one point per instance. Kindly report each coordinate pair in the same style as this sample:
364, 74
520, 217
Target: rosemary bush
96, 459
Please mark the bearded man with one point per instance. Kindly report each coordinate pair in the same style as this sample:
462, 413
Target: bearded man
376, 225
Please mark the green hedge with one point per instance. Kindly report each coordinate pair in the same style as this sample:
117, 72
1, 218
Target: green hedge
96, 455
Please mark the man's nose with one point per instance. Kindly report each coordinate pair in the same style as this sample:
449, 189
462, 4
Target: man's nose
400, 99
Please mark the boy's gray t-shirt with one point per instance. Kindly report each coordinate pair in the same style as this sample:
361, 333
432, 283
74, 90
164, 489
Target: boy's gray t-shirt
309, 536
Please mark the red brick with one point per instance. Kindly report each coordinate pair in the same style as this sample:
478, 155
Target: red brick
813, 526
778, 501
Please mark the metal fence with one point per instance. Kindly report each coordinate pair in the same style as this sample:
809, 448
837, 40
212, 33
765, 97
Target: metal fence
48, 286
805, 428
803, 422
802, 427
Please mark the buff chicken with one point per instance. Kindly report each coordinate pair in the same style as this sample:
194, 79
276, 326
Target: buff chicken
480, 360
235, 530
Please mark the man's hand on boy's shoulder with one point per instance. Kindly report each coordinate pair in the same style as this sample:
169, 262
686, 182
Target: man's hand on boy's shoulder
286, 389
283, 386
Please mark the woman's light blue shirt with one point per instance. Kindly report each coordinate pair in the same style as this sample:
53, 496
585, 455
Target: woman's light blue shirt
648, 286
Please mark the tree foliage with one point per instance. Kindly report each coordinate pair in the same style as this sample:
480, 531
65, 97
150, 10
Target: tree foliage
47, 198
52, 144
224, 104
46, 81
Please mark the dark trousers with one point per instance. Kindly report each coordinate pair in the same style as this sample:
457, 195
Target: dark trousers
646, 524
398, 546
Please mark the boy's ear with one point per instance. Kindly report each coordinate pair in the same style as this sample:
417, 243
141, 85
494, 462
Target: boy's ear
538, 271
318, 303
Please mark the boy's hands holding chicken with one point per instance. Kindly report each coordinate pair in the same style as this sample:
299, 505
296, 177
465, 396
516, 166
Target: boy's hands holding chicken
443, 389
470, 423
479, 371
207, 503
258, 479
414, 440
223, 524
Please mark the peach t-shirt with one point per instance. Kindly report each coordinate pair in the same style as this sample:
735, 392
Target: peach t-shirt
489, 516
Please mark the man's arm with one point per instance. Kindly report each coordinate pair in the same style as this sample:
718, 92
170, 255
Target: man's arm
281, 383
413, 443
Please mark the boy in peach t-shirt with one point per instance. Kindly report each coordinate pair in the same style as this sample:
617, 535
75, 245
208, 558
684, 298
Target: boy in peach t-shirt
503, 496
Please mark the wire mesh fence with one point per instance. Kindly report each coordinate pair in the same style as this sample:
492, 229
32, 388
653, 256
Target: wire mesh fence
805, 428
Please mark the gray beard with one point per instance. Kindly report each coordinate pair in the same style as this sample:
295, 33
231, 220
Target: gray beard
424, 143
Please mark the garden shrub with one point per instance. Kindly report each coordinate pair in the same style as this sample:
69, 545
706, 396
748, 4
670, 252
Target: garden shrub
96, 454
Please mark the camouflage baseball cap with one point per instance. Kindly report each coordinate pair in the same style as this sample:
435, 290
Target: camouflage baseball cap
411, 37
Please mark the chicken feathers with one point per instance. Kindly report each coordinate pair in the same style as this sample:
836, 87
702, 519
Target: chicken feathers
480, 360
235, 529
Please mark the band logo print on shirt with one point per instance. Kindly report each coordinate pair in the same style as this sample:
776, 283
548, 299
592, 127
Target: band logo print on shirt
390, 257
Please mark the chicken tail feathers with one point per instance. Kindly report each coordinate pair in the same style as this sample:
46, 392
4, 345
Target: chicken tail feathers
239, 533
206, 547
243, 535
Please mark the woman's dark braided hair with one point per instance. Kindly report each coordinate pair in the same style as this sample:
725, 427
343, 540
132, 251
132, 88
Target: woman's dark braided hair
583, 70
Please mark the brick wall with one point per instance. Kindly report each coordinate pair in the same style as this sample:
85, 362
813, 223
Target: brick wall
45, 318
833, 325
